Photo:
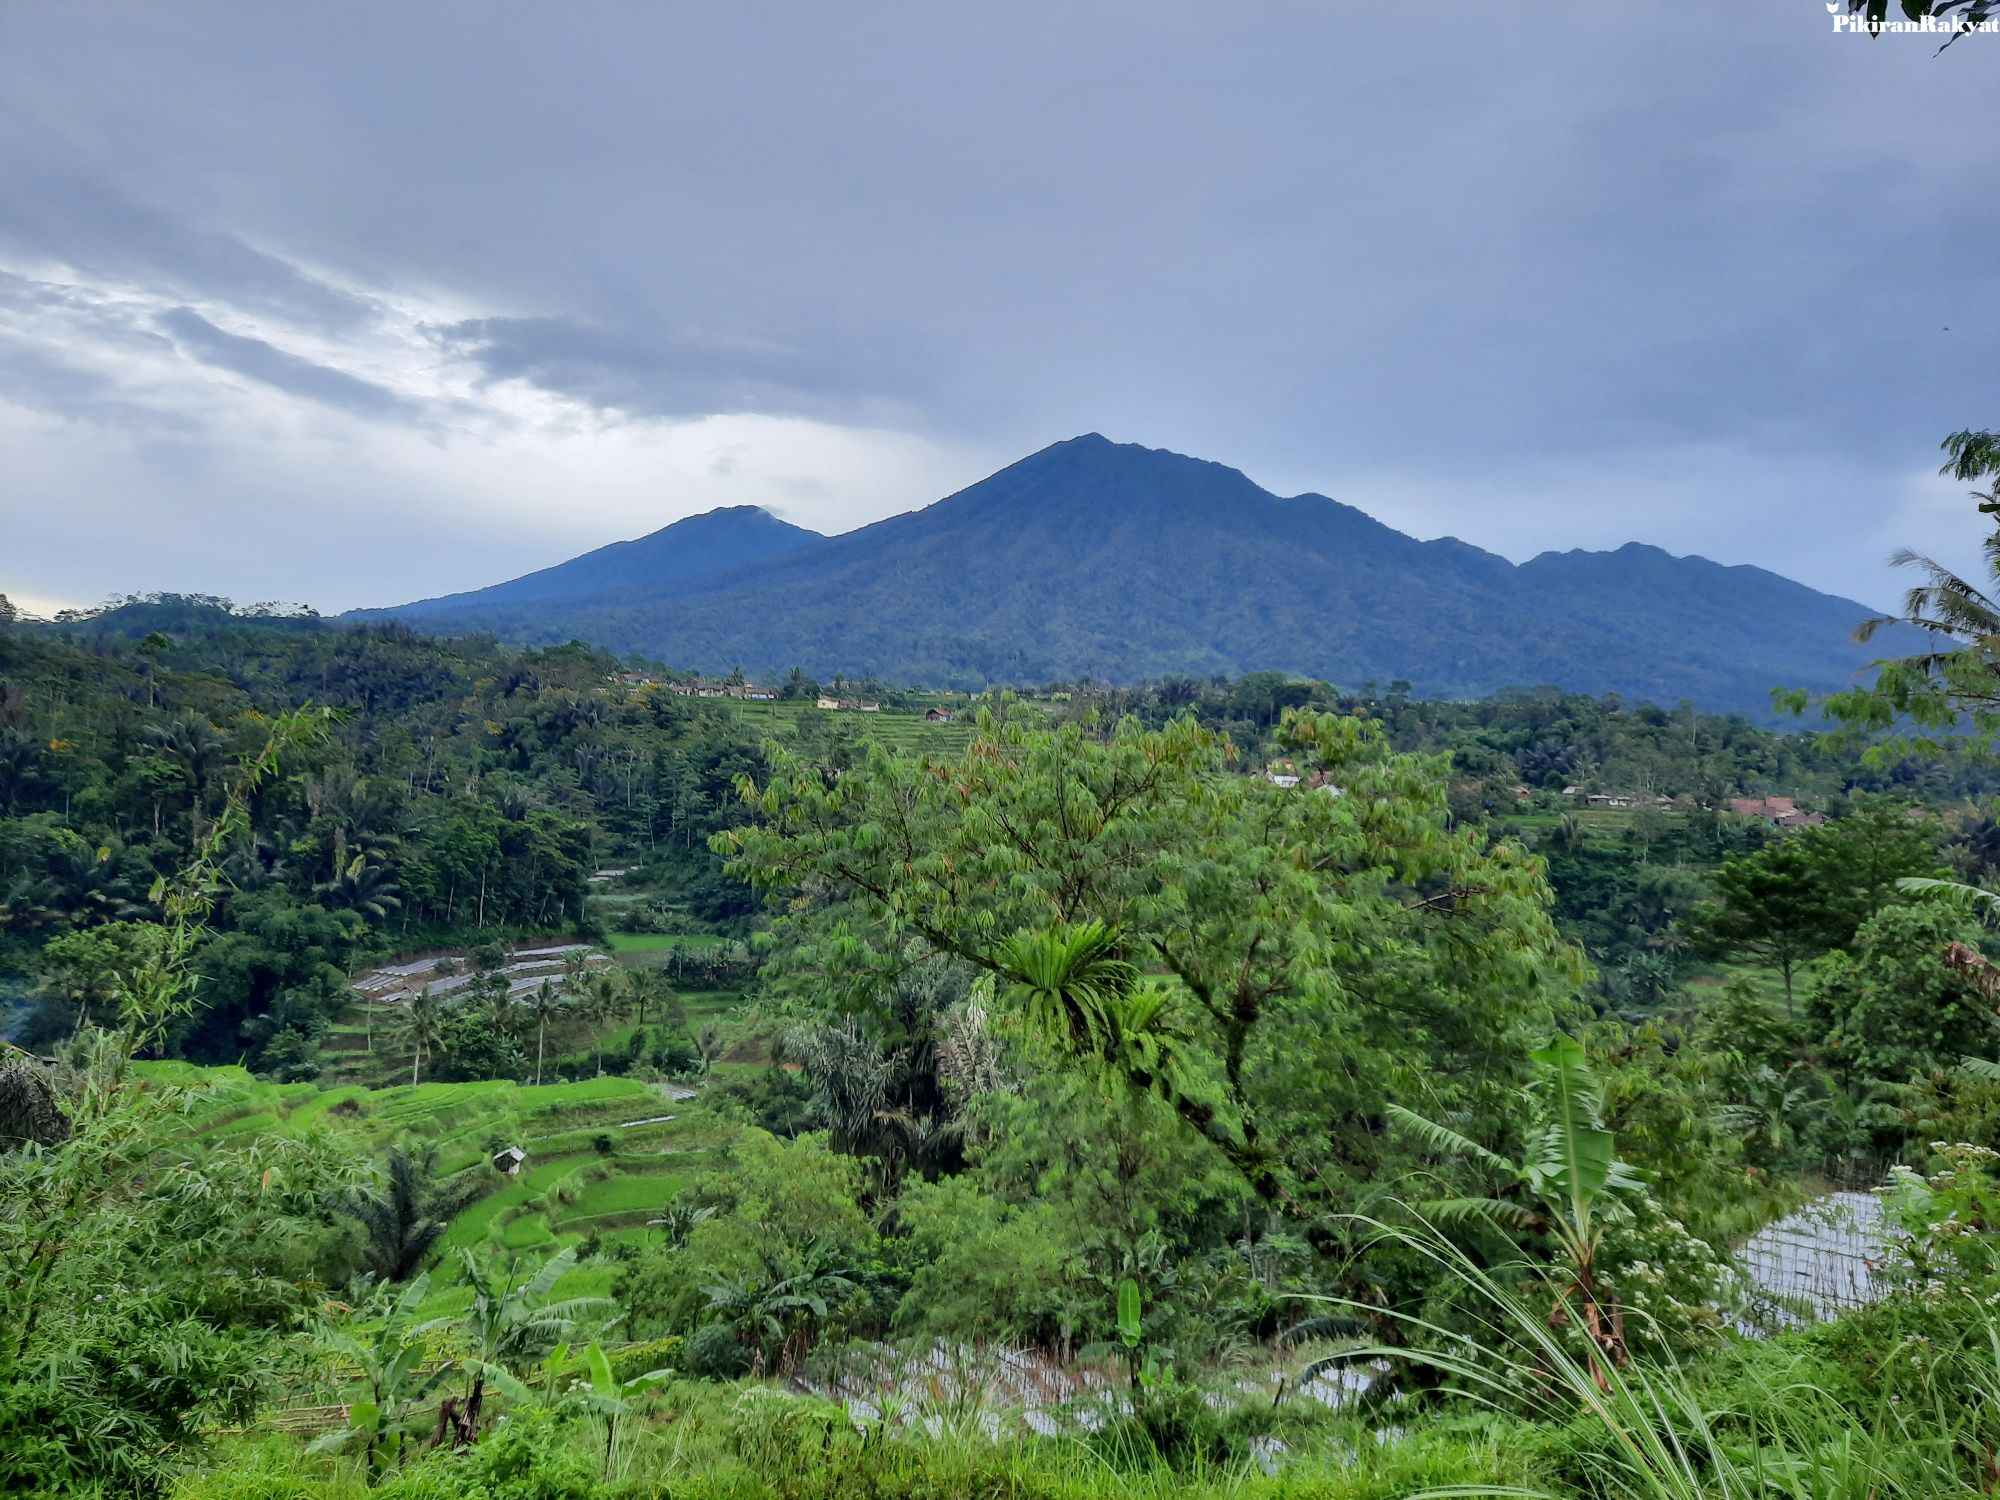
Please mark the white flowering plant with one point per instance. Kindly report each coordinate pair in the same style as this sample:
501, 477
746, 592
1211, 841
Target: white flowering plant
1947, 1221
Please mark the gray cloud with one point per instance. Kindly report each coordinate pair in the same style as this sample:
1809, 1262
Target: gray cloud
662, 375
53, 209
40, 380
256, 359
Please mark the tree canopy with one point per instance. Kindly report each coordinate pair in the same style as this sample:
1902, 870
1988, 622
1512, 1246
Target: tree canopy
1274, 963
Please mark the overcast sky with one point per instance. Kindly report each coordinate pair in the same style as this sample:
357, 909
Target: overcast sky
351, 304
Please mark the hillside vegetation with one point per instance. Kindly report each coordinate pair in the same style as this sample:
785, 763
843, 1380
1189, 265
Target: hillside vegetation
1040, 571
449, 1069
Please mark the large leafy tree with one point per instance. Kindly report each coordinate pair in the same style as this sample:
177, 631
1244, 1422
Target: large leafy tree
1274, 963
1808, 893
1895, 1003
1769, 908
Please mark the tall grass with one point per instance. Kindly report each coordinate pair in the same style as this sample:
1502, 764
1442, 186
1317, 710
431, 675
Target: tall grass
1772, 1425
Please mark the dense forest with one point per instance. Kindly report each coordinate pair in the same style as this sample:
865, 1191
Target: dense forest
1036, 570
444, 1068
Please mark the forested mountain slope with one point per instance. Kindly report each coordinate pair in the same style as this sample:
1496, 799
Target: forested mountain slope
699, 545
1107, 559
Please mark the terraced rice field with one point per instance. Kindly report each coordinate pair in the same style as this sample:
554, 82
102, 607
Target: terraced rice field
362, 1048
907, 731
623, 943
613, 1150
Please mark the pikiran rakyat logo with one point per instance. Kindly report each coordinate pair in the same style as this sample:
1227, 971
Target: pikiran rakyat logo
1950, 19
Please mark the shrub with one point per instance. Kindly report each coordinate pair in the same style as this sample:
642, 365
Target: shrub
669, 1353
714, 1354
531, 1455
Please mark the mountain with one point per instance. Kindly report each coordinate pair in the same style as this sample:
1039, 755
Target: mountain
1109, 559
702, 544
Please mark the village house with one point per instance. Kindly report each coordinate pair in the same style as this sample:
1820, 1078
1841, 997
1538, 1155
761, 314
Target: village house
1776, 812
700, 687
938, 716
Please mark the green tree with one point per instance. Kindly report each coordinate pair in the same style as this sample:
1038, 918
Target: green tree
778, 1309
421, 1029
604, 1001
1770, 908
1893, 1003
1274, 964
86, 968
545, 1003
128, 1247
1955, 684
1807, 893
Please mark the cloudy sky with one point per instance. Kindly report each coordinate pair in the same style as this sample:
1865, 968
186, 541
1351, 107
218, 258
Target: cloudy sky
351, 304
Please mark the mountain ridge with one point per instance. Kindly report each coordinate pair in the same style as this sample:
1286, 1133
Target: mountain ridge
691, 547
1091, 557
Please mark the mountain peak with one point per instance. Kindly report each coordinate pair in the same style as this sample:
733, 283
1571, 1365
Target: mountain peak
694, 546
1119, 561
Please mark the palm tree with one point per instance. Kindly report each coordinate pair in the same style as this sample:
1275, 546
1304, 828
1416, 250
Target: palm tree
404, 1216
603, 1004
709, 1047
545, 1003
1570, 1164
197, 746
367, 888
651, 984
1961, 615
422, 1027
854, 1081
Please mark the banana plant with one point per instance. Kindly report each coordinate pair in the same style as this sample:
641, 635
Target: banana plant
611, 1398
1143, 1367
1570, 1165
597, 1389
392, 1364
511, 1322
